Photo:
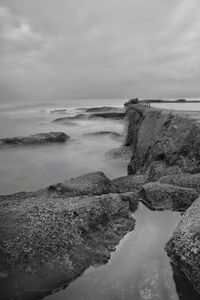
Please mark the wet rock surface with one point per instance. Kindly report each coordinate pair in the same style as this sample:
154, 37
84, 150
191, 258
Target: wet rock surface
42, 233
35, 139
184, 246
165, 196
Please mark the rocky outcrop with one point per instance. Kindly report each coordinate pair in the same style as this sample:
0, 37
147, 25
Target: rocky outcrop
42, 233
159, 135
165, 196
35, 139
184, 246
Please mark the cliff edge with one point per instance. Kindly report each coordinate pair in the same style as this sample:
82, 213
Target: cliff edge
162, 141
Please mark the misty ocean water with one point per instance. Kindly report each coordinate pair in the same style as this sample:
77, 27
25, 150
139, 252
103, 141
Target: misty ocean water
139, 269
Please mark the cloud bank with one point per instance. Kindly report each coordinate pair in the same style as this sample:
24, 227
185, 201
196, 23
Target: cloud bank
64, 49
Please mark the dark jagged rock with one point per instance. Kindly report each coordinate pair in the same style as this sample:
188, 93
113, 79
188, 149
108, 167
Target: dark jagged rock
43, 233
184, 180
165, 196
112, 134
132, 102
36, 139
95, 183
121, 153
184, 246
129, 183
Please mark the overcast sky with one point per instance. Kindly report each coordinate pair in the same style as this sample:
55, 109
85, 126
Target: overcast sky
64, 49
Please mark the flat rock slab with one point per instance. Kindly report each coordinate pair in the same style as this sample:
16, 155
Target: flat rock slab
165, 196
129, 183
35, 139
184, 246
184, 180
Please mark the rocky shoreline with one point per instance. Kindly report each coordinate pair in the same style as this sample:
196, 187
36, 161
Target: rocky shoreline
45, 231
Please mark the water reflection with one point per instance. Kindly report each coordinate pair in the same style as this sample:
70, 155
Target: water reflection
139, 269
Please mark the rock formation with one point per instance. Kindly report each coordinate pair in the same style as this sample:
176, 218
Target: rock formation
162, 136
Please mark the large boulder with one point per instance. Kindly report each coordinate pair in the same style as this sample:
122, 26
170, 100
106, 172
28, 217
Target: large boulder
165, 196
42, 234
112, 134
35, 139
184, 180
95, 183
184, 246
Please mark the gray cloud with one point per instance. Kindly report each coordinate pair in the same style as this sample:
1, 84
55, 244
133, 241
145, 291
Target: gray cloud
53, 49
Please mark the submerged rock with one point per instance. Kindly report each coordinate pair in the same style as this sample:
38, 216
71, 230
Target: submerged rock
112, 134
165, 196
184, 180
120, 153
184, 246
35, 139
49, 238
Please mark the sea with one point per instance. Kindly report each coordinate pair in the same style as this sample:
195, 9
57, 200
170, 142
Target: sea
139, 269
